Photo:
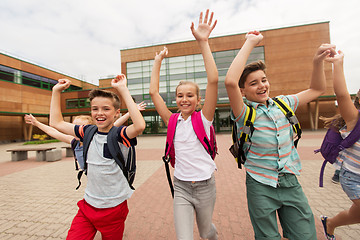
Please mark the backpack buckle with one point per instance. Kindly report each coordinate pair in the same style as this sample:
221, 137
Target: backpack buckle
293, 119
247, 130
166, 159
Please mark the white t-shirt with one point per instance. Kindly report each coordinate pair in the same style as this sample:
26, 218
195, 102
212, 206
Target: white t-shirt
192, 161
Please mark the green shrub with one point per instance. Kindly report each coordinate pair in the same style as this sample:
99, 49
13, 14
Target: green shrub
41, 141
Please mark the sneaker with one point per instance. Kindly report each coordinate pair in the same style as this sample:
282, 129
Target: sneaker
335, 178
323, 221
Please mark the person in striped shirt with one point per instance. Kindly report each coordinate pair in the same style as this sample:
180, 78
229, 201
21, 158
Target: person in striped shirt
349, 158
272, 160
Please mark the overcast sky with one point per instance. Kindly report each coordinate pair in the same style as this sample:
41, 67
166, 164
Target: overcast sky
83, 38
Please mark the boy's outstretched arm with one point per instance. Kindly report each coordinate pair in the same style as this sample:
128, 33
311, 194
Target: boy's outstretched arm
56, 119
158, 101
30, 119
138, 126
318, 80
201, 35
235, 70
141, 106
347, 108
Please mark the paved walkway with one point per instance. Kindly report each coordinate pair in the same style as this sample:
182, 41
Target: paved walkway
38, 199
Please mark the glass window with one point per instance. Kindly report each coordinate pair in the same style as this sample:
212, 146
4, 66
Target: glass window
198, 57
189, 57
6, 76
176, 59
133, 64
175, 69
134, 70
134, 75
71, 103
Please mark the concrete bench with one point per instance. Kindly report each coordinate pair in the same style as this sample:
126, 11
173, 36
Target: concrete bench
53, 155
21, 153
69, 151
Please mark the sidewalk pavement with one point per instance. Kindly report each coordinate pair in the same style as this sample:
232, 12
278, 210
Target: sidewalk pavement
38, 199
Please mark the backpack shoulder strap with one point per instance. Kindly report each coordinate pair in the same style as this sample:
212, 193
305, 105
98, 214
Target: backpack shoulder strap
169, 149
247, 131
73, 145
200, 132
116, 153
237, 149
290, 115
170, 133
352, 138
88, 135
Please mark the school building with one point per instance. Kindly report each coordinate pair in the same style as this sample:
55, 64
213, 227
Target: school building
288, 53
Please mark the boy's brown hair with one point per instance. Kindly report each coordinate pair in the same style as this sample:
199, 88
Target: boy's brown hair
249, 68
105, 94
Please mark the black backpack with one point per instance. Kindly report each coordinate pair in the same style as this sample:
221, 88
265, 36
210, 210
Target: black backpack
117, 150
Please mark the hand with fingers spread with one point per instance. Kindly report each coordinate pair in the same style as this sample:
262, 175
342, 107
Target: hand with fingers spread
204, 29
141, 106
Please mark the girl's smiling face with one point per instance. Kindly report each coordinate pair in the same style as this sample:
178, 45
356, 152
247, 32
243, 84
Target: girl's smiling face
187, 99
256, 87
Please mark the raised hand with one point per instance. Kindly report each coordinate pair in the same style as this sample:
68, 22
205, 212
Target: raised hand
141, 106
30, 119
119, 81
339, 57
325, 51
160, 56
204, 29
254, 36
62, 84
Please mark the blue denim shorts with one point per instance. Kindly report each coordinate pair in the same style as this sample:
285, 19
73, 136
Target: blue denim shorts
350, 182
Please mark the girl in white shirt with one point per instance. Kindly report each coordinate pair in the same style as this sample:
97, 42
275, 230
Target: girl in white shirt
194, 182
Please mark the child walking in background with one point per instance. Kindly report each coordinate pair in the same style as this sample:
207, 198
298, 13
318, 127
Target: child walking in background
194, 182
349, 158
272, 161
104, 207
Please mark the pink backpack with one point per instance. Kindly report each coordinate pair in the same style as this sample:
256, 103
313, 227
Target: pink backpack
198, 126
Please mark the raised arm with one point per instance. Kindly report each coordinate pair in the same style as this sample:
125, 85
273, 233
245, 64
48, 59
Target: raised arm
30, 119
236, 68
56, 119
158, 101
318, 80
201, 35
141, 106
347, 108
138, 126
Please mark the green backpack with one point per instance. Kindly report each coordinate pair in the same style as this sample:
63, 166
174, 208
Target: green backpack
237, 148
